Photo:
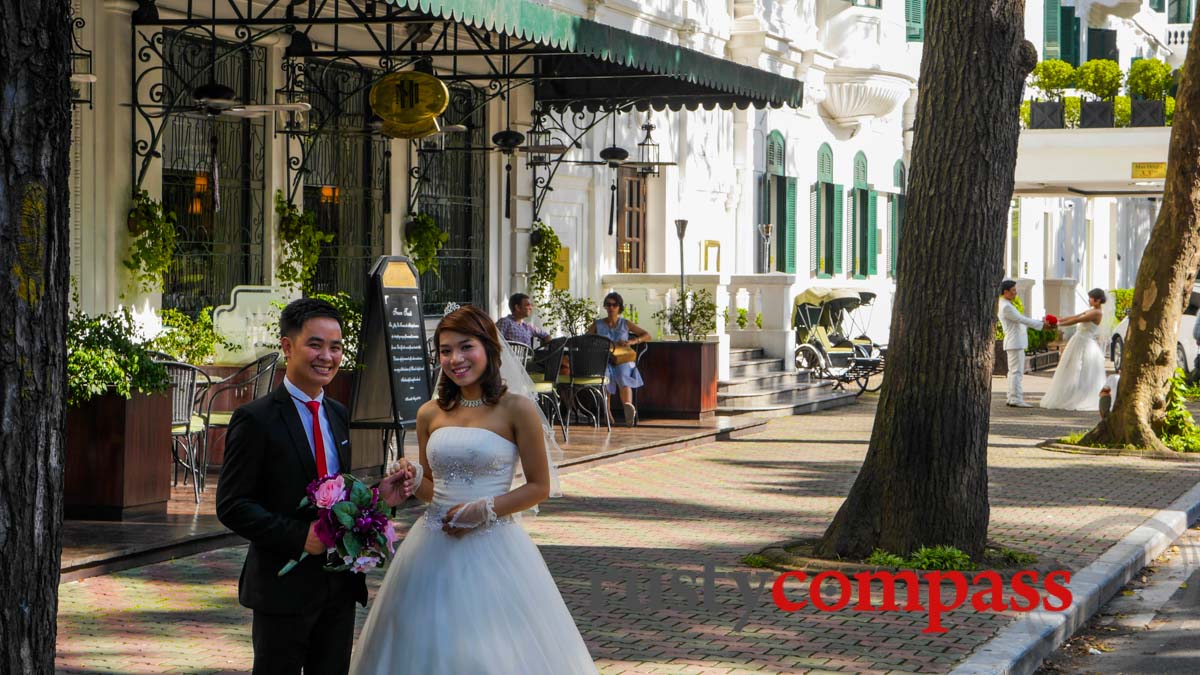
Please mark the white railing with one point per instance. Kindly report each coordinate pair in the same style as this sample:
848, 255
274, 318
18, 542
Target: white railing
768, 296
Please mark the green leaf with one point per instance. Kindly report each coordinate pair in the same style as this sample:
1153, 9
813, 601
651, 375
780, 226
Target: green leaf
345, 512
303, 503
360, 494
353, 546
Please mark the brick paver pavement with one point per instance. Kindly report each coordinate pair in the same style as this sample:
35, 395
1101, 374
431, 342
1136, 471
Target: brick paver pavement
681, 512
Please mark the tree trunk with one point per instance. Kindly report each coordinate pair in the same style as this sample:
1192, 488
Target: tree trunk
35, 128
1164, 281
924, 480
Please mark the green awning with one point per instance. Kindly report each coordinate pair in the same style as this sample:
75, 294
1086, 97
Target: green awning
713, 81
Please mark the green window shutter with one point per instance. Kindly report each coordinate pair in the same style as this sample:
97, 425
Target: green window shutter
814, 232
855, 240
1179, 11
1069, 27
838, 197
872, 234
1051, 30
789, 261
1158, 5
825, 164
860, 170
914, 20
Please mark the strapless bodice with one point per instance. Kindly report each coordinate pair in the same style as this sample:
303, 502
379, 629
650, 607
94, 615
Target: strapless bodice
468, 463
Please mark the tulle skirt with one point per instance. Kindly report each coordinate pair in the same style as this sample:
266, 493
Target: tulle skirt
1079, 377
485, 603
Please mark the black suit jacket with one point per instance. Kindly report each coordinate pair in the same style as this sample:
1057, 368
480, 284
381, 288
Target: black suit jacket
268, 464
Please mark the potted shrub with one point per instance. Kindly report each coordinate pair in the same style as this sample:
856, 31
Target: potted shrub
681, 376
544, 246
1149, 82
424, 239
118, 421
1051, 78
572, 316
301, 243
190, 340
152, 243
1102, 79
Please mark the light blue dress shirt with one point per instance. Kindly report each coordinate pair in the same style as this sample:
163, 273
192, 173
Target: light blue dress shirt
299, 399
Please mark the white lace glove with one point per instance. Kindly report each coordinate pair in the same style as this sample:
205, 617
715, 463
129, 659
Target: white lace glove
473, 514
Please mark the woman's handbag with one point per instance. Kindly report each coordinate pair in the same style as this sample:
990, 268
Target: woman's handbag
622, 355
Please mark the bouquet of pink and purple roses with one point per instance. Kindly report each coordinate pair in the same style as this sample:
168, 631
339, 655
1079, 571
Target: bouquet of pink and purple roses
351, 524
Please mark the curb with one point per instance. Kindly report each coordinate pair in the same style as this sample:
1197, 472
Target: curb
1020, 647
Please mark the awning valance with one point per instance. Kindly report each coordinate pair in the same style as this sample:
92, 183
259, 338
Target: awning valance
615, 57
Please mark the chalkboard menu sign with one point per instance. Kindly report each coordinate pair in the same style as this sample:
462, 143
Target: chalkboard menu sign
394, 380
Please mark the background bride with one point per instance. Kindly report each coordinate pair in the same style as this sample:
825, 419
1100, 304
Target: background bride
1080, 374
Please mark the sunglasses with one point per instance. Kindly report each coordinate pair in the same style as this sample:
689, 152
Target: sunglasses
611, 304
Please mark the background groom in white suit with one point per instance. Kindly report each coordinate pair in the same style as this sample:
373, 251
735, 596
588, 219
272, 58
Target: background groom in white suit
1016, 340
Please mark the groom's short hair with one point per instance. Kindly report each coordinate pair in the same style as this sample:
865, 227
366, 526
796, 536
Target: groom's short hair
1007, 285
298, 312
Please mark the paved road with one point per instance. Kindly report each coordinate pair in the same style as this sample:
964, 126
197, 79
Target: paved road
681, 511
1150, 627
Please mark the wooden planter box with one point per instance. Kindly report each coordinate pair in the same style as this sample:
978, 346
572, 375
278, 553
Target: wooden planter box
1039, 361
118, 457
1147, 113
1046, 115
680, 380
1096, 114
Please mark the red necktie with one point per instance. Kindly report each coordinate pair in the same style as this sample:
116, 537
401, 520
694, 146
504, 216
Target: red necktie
318, 440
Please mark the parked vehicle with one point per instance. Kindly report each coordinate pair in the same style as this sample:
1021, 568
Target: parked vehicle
1185, 344
824, 321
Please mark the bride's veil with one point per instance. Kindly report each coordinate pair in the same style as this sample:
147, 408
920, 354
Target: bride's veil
512, 371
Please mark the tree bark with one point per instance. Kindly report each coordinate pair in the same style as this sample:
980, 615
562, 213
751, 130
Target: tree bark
1164, 281
35, 127
924, 479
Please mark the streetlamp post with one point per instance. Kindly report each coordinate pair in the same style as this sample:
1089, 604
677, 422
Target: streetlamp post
681, 230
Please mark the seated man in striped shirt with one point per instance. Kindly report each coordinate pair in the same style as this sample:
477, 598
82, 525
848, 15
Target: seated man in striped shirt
513, 327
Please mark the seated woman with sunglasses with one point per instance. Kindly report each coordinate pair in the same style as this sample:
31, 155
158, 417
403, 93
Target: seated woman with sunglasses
622, 378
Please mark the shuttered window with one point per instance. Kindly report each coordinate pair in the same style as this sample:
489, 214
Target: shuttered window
914, 20
1158, 5
1069, 46
1179, 11
825, 218
631, 220
895, 216
1102, 44
1051, 30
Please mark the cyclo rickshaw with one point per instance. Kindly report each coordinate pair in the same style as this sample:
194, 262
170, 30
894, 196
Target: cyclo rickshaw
824, 320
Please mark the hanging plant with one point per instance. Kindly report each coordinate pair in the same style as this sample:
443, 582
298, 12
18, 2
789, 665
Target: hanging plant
544, 246
424, 239
301, 242
152, 247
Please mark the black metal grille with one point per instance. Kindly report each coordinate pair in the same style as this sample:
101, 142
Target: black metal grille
215, 250
345, 186
454, 193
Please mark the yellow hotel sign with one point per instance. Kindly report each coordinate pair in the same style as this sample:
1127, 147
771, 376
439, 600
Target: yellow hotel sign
409, 103
1149, 170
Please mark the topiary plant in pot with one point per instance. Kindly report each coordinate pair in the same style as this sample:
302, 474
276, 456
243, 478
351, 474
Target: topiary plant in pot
1149, 82
1051, 78
1102, 79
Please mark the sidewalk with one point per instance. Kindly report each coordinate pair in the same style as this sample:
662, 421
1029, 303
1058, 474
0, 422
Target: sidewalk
680, 511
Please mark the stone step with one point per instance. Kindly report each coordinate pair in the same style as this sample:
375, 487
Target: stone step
767, 397
773, 380
745, 354
803, 402
754, 367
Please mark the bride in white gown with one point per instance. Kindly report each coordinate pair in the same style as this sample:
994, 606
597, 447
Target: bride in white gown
468, 591
1080, 374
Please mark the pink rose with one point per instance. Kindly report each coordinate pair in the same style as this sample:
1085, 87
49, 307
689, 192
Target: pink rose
330, 492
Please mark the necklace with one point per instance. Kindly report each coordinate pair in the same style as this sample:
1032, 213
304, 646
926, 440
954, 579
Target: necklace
471, 402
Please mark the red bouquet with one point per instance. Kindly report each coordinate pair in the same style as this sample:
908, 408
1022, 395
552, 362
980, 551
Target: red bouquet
351, 524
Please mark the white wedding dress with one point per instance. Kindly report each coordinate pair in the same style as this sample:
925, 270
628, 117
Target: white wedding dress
1080, 374
485, 603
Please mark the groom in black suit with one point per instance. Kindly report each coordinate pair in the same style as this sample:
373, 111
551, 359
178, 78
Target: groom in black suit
275, 447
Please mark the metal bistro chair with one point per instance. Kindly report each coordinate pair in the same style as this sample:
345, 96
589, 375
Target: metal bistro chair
589, 356
258, 375
547, 388
188, 429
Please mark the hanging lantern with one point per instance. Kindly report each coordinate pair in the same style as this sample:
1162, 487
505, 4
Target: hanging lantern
539, 138
648, 152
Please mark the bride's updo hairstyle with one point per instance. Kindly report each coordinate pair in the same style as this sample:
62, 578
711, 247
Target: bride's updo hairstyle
471, 321
1098, 294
